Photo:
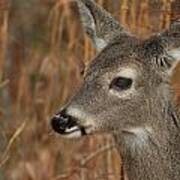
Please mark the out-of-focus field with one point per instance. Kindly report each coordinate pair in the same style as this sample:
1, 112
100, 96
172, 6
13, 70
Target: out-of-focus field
42, 52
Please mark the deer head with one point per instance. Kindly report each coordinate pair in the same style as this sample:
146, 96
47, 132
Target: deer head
126, 88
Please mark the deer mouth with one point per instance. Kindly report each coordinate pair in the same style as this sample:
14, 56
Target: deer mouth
68, 126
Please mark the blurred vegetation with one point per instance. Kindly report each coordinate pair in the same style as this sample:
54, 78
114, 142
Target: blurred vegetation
42, 52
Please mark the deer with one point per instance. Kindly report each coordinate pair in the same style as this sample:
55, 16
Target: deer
127, 92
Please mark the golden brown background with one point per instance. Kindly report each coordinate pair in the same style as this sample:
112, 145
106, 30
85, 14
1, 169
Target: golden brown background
42, 52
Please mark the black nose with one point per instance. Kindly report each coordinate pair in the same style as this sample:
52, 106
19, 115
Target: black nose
61, 121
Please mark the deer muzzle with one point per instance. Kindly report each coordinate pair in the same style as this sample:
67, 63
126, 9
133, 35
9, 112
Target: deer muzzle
65, 124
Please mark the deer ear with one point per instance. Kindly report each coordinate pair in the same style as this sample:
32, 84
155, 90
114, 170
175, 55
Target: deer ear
98, 23
172, 41
164, 48
174, 55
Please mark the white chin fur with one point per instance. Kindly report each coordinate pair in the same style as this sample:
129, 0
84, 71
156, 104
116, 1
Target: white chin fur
72, 129
74, 134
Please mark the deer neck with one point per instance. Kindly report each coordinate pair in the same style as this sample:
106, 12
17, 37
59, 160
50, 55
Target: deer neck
149, 155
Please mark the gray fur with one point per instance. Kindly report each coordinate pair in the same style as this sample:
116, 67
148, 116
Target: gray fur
146, 125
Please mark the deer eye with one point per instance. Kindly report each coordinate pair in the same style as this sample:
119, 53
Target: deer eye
121, 83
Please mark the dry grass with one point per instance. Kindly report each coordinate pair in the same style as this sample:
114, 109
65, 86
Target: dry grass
42, 51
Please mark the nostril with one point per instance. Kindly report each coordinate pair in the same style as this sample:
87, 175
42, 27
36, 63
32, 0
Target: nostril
62, 122
65, 124
59, 123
